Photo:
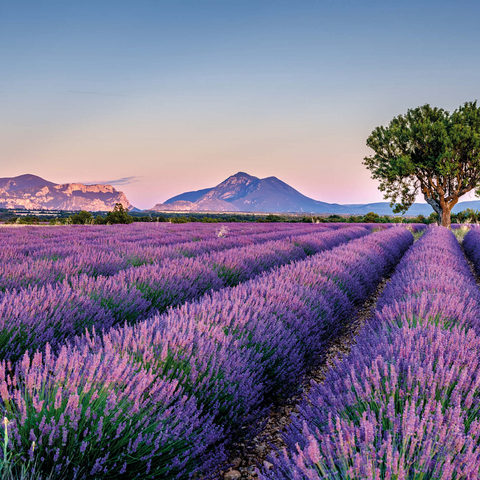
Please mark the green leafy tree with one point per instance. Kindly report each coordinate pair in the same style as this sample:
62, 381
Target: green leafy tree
433, 218
335, 218
371, 217
118, 215
427, 151
272, 218
181, 219
469, 215
82, 218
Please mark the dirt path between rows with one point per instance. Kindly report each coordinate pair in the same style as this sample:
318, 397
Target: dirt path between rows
246, 457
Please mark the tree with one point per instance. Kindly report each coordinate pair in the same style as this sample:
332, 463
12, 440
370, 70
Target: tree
371, 217
428, 151
272, 218
433, 217
82, 218
118, 215
335, 218
469, 215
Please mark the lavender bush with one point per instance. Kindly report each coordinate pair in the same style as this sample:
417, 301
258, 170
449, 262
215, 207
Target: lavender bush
404, 403
161, 398
471, 246
55, 255
34, 316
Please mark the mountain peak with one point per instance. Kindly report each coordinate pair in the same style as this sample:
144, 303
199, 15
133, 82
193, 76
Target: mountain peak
33, 192
244, 192
26, 180
29, 177
240, 177
243, 174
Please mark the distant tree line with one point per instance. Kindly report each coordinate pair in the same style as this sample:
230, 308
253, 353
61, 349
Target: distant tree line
465, 216
120, 215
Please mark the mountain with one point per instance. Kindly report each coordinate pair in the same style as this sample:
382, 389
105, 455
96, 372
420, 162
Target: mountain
35, 193
189, 196
245, 193
24, 181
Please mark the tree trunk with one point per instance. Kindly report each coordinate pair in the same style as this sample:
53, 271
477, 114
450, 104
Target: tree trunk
445, 218
443, 209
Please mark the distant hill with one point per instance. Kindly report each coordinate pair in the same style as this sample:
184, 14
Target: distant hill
24, 181
189, 196
238, 193
35, 193
245, 193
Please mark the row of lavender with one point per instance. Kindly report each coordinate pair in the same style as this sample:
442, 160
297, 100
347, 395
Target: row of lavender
55, 241
18, 244
471, 245
39, 257
32, 317
162, 398
405, 402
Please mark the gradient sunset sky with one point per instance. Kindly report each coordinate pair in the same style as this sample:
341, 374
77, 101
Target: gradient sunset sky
160, 97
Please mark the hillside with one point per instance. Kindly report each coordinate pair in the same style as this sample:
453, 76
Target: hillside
35, 193
246, 193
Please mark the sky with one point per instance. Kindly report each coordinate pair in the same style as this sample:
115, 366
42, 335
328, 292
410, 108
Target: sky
159, 97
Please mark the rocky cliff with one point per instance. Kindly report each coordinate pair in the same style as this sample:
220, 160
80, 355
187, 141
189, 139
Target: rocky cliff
35, 193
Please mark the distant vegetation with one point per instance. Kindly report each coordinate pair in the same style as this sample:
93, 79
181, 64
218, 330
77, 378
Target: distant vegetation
120, 215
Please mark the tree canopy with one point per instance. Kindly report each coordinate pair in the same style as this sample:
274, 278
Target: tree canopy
82, 218
119, 214
427, 151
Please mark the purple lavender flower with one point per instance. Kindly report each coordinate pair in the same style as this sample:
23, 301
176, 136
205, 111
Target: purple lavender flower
163, 397
404, 403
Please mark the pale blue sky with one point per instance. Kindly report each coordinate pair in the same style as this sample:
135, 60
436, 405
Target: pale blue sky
181, 94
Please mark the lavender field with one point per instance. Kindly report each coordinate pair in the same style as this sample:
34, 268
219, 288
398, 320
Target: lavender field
158, 350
